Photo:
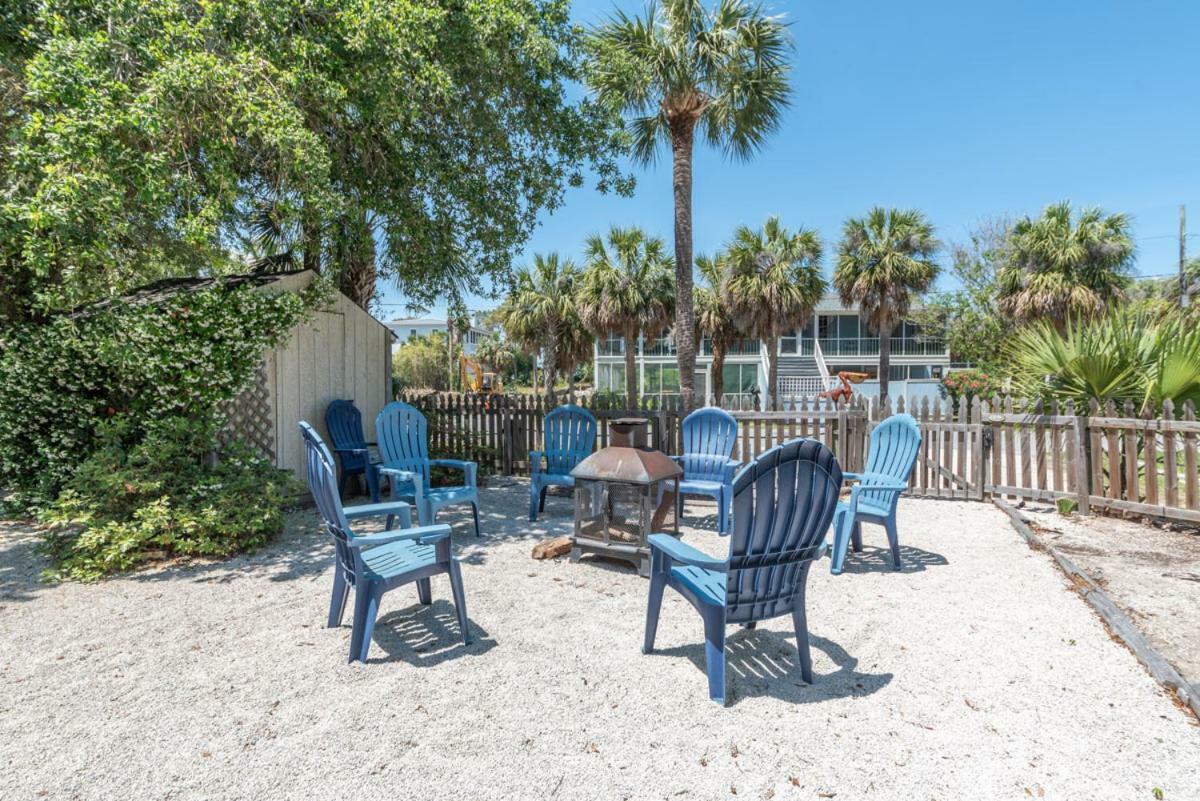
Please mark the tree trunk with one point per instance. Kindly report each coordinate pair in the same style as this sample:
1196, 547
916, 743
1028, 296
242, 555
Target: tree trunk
631, 379
685, 317
885, 361
773, 372
718, 372
312, 241
571, 385
356, 277
551, 369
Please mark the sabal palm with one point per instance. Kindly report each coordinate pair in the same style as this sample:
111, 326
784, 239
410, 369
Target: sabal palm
627, 288
715, 316
1126, 355
1066, 266
540, 313
497, 354
774, 283
678, 68
885, 260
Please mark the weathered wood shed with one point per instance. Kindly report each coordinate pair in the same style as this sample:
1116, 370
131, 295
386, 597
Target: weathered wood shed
340, 352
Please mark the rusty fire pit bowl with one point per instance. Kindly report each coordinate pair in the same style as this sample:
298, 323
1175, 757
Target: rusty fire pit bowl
622, 495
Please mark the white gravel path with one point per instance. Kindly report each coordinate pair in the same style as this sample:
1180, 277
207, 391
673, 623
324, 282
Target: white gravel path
974, 674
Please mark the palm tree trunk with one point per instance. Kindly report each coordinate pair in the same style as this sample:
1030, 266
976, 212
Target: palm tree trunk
312, 241
885, 360
631, 381
773, 371
357, 267
551, 365
718, 372
685, 315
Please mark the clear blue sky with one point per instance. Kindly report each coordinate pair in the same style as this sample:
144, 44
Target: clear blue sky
964, 110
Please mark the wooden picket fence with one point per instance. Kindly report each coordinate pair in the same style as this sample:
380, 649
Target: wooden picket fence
1103, 458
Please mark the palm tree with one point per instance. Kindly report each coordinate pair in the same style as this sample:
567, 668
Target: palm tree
1065, 266
683, 67
627, 289
884, 259
774, 284
539, 311
714, 316
497, 353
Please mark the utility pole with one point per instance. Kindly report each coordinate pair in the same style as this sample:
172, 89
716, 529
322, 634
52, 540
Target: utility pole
1184, 287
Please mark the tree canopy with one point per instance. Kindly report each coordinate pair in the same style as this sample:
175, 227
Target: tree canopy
413, 142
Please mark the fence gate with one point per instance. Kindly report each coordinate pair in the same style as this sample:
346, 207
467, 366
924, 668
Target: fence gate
954, 449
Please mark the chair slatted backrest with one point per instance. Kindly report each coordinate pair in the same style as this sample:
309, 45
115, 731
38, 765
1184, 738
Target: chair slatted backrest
569, 438
403, 436
343, 421
783, 504
708, 439
322, 483
894, 446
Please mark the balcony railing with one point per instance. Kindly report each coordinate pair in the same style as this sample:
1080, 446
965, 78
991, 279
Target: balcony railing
869, 346
659, 347
610, 347
742, 347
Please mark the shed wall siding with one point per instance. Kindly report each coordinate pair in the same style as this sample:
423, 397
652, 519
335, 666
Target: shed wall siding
342, 352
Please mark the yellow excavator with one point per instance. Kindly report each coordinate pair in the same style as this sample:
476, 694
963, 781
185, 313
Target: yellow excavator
475, 379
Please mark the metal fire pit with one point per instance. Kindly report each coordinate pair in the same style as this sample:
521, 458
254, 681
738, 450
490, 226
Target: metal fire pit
624, 493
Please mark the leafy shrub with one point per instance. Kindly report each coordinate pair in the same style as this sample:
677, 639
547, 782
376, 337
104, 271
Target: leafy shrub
160, 497
966, 385
179, 357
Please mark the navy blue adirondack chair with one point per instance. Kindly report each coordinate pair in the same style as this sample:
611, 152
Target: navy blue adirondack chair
373, 564
876, 493
783, 503
404, 447
343, 421
569, 438
708, 439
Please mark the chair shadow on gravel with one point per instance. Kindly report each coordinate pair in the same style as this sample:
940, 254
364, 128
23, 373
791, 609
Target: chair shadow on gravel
424, 636
761, 662
879, 560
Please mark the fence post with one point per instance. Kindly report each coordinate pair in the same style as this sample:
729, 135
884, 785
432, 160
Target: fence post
506, 435
1082, 459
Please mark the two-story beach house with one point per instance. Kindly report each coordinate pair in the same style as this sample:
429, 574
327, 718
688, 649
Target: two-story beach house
835, 339
407, 327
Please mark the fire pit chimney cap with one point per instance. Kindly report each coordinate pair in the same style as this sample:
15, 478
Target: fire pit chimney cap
630, 421
627, 465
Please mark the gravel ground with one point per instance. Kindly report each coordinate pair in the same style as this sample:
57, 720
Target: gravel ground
1152, 573
974, 674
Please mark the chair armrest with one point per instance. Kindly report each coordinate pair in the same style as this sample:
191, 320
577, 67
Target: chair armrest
535, 461
848, 476
730, 469
400, 508
422, 534
400, 473
468, 468
350, 450
680, 552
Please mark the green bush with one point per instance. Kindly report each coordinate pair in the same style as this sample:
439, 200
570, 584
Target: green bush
182, 356
159, 498
966, 385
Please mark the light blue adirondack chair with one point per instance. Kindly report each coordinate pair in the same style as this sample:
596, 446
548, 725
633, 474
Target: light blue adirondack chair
372, 564
570, 437
782, 505
343, 421
403, 436
876, 493
708, 439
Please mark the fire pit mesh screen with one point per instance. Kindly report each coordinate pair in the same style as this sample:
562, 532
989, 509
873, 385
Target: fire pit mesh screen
614, 518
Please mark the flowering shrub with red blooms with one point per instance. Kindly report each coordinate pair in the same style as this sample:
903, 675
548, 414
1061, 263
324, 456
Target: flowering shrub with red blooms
969, 384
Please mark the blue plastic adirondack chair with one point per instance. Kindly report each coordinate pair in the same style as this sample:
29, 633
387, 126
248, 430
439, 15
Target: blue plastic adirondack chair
343, 421
372, 564
893, 452
782, 505
570, 437
404, 447
708, 439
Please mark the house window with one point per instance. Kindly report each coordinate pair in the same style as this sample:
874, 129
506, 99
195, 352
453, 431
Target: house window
412, 332
612, 345
787, 343
661, 379
741, 385
610, 378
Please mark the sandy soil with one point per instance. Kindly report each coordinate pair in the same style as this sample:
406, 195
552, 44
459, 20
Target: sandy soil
1152, 573
973, 674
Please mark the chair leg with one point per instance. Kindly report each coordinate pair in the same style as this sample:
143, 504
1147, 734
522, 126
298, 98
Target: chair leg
424, 592
856, 536
372, 476
342, 478
800, 622
658, 580
533, 502
460, 600
753, 624
542, 501
714, 654
337, 603
475, 514
722, 512
366, 607
893, 540
841, 537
